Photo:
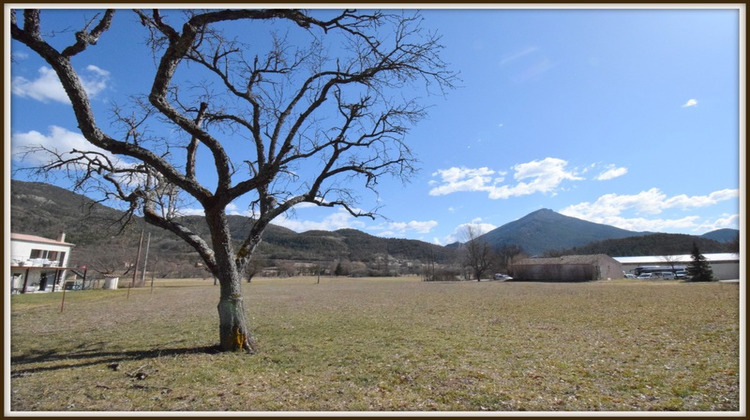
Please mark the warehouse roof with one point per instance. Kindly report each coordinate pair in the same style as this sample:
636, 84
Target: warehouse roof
565, 259
718, 257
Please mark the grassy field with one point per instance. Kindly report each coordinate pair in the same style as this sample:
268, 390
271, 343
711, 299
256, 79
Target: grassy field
385, 344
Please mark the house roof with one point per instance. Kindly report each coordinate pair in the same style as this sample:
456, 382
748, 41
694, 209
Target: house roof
663, 259
33, 238
566, 259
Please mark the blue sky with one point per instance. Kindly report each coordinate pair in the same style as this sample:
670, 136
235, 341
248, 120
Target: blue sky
628, 117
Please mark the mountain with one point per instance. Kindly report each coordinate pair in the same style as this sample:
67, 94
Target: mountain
722, 235
545, 230
46, 210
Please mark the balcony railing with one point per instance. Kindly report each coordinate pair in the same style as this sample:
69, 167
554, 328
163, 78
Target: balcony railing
35, 262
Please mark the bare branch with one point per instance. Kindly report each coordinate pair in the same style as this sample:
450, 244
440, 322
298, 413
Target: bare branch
283, 123
84, 38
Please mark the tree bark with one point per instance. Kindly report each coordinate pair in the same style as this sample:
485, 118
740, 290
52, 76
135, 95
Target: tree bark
234, 333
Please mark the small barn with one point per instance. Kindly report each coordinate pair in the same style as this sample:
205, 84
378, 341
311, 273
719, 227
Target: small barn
568, 268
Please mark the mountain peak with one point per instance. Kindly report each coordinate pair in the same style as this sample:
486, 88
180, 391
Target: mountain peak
546, 230
543, 213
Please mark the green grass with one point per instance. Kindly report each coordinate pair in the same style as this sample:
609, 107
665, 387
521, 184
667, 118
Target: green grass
386, 344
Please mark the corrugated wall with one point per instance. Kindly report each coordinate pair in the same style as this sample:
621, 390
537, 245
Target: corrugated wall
556, 272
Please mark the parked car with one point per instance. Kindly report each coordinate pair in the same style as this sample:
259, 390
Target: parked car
503, 277
646, 276
681, 274
629, 276
667, 275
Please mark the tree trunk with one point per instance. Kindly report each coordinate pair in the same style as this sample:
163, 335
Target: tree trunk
234, 333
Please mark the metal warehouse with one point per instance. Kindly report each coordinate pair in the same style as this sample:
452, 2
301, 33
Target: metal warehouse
569, 268
726, 266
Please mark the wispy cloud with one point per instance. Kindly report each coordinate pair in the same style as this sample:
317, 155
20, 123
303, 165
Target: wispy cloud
537, 176
525, 64
613, 209
508, 58
47, 87
611, 172
690, 102
535, 70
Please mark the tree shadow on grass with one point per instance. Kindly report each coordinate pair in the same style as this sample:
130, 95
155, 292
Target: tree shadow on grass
58, 360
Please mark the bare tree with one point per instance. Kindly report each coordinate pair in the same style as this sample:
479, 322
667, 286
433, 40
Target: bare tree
507, 254
478, 252
114, 259
672, 260
289, 125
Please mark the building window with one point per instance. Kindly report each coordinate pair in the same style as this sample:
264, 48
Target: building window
38, 253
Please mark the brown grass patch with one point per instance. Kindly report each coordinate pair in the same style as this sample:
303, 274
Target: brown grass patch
373, 345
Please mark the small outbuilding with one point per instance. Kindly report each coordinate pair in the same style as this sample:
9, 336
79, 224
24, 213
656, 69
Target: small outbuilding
568, 268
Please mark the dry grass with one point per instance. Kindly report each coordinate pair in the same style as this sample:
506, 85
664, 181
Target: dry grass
372, 345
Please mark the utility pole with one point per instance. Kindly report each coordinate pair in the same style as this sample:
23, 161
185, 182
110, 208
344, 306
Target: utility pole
145, 261
137, 261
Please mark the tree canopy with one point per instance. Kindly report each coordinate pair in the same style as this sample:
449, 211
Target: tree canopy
294, 117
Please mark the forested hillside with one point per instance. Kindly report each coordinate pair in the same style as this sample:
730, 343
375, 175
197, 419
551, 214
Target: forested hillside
654, 244
104, 245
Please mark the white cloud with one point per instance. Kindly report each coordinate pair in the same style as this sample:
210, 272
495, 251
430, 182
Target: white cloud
610, 209
459, 233
690, 102
464, 179
684, 202
47, 87
640, 224
192, 212
538, 176
335, 221
611, 173
726, 221
59, 139
401, 228
18, 55
233, 209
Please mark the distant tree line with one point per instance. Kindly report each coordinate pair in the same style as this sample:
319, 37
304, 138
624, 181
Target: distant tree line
654, 244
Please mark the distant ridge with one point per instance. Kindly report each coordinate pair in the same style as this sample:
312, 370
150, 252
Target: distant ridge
653, 244
722, 235
47, 210
546, 230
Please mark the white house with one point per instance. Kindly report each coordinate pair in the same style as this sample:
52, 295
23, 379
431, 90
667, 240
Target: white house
726, 266
37, 263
